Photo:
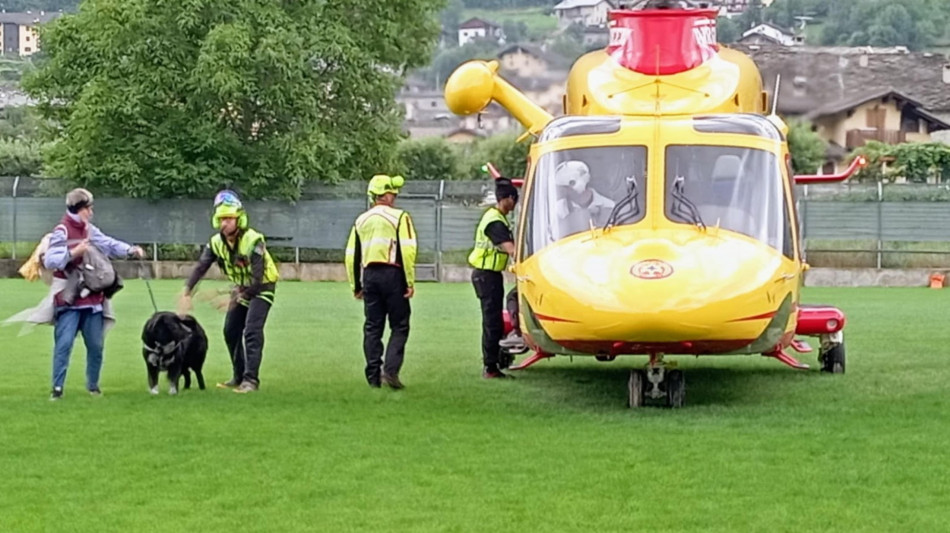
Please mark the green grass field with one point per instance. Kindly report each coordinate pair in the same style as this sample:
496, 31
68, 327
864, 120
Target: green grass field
759, 447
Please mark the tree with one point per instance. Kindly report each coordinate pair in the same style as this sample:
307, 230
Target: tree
514, 31
446, 61
166, 98
806, 147
911, 23
451, 16
727, 31
502, 150
432, 158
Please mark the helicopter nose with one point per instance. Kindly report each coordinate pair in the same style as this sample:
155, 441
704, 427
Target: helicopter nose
683, 285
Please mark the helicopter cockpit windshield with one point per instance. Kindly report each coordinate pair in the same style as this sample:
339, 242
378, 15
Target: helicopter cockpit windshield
735, 188
577, 189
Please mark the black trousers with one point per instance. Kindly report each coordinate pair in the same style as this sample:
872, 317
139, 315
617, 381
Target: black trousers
490, 289
384, 295
244, 335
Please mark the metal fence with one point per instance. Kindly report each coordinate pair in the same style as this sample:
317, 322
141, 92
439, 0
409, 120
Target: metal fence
886, 225
876, 223
444, 214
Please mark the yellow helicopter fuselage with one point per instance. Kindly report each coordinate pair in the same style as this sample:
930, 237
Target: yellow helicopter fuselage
658, 214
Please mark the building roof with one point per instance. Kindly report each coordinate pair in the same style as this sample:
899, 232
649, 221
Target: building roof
476, 22
530, 50
846, 104
571, 4
813, 77
28, 18
465, 131
768, 25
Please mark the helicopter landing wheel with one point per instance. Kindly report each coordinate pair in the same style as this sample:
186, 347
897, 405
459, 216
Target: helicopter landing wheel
831, 355
635, 388
675, 389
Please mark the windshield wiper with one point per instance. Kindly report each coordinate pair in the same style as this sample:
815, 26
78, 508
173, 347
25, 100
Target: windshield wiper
683, 207
629, 201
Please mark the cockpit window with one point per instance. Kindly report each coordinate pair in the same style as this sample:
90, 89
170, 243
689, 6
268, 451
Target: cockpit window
738, 189
575, 190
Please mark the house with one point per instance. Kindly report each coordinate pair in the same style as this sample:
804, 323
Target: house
18, 31
547, 90
422, 104
463, 135
476, 28
767, 33
887, 116
853, 95
525, 60
583, 12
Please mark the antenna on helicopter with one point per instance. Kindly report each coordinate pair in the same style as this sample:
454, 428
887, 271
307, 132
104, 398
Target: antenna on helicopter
778, 83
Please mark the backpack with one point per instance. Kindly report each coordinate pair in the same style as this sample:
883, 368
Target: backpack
98, 274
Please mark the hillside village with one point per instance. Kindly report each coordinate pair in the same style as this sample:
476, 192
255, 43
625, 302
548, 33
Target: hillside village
850, 95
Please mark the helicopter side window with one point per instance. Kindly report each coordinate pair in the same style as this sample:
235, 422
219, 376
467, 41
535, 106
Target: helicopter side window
738, 189
577, 189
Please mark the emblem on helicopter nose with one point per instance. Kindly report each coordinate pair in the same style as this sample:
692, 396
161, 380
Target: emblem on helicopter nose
651, 269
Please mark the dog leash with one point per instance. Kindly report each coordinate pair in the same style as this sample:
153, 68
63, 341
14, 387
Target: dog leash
148, 285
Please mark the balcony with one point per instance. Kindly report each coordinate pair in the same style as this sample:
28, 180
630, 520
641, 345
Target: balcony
856, 138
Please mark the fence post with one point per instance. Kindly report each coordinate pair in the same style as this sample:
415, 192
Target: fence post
155, 261
16, 184
438, 232
880, 223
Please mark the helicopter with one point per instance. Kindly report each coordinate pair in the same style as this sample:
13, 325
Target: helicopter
659, 211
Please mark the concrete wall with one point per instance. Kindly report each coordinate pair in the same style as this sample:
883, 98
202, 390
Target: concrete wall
815, 277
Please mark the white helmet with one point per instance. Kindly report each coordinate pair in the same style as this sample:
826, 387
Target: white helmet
573, 174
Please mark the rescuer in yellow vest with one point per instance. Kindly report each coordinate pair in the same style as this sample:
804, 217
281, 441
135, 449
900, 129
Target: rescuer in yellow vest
494, 245
242, 256
380, 264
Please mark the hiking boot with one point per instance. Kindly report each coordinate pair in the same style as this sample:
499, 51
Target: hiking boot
393, 382
95, 392
494, 373
246, 387
514, 342
56, 394
229, 384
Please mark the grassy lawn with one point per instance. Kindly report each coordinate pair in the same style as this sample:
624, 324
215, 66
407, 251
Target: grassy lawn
759, 447
539, 24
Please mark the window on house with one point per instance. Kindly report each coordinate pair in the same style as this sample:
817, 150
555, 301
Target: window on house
27, 49
27, 38
909, 121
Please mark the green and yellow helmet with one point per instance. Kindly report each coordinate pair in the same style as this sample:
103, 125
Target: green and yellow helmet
228, 205
381, 184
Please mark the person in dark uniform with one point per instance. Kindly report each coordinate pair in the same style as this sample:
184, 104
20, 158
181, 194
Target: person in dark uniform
380, 264
494, 245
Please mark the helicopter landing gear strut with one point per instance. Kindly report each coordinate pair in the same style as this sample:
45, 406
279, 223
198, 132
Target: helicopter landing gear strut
657, 382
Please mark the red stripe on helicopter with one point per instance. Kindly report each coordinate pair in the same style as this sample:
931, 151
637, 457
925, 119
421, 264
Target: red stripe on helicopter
554, 318
763, 316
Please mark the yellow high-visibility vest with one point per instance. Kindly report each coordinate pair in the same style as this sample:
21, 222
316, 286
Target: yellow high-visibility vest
380, 234
485, 255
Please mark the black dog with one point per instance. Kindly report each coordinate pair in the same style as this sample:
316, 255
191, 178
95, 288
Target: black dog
176, 345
